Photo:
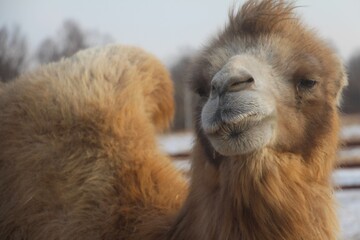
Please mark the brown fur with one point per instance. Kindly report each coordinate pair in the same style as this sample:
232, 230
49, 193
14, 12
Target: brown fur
78, 158
284, 190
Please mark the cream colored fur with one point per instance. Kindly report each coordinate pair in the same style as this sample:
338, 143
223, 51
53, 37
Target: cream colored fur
78, 156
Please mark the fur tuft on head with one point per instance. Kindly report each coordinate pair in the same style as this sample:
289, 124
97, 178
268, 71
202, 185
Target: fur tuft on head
259, 17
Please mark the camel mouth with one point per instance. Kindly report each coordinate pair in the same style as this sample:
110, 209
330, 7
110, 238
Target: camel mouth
242, 135
234, 126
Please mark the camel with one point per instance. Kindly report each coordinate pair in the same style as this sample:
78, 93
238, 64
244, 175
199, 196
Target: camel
78, 153
78, 157
267, 130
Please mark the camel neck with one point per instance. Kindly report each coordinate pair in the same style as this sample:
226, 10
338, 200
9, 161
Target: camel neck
270, 197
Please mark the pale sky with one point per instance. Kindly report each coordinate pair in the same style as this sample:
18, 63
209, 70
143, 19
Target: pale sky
166, 27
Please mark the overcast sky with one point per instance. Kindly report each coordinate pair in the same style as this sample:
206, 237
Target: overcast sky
166, 27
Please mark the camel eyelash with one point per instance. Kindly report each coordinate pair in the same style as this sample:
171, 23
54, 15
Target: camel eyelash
306, 84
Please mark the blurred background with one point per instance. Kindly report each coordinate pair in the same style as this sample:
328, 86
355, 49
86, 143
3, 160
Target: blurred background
35, 32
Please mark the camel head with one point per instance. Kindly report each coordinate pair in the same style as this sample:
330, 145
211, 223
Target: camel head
266, 81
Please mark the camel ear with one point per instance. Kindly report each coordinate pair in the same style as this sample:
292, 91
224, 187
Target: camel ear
343, 84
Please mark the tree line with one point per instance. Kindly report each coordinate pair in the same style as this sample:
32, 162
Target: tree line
15, 57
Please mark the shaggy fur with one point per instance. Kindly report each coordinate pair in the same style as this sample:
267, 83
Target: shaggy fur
78, 156
283, 190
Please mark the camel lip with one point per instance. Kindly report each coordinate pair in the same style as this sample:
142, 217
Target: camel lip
235, 125
231, 130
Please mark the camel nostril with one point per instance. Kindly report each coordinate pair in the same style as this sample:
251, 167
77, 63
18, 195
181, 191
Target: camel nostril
238, 84
250, 80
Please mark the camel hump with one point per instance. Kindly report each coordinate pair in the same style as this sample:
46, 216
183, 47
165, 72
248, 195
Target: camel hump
69, 131
95, 83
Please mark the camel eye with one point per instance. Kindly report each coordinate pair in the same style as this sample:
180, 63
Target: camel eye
306, 84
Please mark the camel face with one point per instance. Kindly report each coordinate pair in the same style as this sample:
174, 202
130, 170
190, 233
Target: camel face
268, 96
266, 85
239, 115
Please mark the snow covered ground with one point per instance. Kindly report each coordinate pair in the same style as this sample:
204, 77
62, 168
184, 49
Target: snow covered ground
348, 200
349, 213
178, 143
347, 177
351, 131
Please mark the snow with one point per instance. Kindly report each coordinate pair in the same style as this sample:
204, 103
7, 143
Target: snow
350, 153
347, 177
178, 143
349, 214
350, 132
183, 165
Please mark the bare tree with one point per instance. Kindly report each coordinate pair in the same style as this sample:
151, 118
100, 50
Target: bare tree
352, 92
72, 38
183, 95
13, 52
48, 51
